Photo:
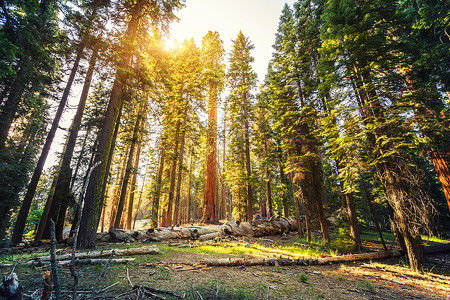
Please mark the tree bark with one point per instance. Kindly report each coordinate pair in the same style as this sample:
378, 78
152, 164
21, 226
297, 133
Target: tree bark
79, 159
248, 168
285, 192
128, 170
155, 206
210, 205
140, 196
26, 203
177, 209
173, 170
11, 104
440, 158
122, 165
223, 192
369, 199
352, 221
297, 209
62, 191
93, 202
188, 208
133, 187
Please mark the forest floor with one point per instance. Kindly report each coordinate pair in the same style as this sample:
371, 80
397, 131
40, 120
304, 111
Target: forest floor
382, 279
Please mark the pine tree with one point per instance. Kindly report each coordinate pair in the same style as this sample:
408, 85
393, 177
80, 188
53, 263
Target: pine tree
139, 13
241, 80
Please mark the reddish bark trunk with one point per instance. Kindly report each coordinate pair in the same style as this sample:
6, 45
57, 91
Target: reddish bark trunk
440, 158
210, 199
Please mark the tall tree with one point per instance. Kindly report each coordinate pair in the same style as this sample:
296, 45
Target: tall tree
159, 12
362, 40
214, 74
241, 80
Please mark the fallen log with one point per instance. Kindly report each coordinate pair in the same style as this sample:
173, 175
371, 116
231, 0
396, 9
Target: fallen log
307, 261
105, 253
86, 261
255, 228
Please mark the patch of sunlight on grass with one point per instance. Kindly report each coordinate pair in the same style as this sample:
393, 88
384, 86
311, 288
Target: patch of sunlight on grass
434, 239
256, 250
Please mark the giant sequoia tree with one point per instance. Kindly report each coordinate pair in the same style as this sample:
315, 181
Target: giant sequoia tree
212, 54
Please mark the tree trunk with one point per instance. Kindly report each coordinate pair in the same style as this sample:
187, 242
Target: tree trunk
223, 192
369, 199
83, 190
26, 203
297, 209
47, 208
210, 205
414, 247
155, 206
173, 170
11, 104
188, 208
440, 158
269, 193
80, 157
177, 209
128, 170
285, 192
94, 193
133, 187
102, 226
352, 221
62, 191
140, 196
249, 171
121, 165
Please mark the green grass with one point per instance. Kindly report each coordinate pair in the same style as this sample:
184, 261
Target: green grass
303, 278
366, 285
370, 235
227, 249
434, 239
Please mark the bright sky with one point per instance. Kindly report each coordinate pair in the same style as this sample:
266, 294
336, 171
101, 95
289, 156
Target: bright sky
258, 20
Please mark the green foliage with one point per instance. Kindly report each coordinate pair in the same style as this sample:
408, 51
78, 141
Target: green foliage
367, 285
303, 278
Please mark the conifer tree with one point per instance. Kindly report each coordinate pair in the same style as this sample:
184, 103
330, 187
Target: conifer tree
139, 12
241, 80
214, 74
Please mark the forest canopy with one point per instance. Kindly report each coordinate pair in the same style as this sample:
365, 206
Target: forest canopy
350, 124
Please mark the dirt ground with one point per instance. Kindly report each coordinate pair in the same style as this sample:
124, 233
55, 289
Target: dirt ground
385, 279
